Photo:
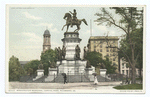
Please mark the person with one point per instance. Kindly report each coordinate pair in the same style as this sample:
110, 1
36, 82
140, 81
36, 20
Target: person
95, 80
85, 52
77, 52
63, 52
65, 78
74, 17
59, 54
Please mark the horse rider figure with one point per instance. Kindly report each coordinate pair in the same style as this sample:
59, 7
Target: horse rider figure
74, 17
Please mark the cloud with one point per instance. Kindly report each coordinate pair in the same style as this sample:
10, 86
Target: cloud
101, 27
50, 26
55, 44
31, 16
44, 24
32, 37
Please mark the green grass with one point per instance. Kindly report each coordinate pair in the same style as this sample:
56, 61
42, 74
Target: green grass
130, 86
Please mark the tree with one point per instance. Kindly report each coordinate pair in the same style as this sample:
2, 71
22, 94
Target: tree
48, 59
108, 64
137, 36
130, 20
33, 64
95, 59
15, 69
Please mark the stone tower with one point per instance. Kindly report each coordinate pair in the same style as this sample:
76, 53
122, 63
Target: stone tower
46, 40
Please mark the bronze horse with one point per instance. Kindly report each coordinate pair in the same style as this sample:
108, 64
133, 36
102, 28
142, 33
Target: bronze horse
69, 21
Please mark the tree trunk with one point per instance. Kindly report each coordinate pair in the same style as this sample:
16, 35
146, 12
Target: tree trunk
140, 69
133, 75
133, 67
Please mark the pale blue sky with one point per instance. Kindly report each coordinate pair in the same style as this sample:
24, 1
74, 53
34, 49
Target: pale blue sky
27, 25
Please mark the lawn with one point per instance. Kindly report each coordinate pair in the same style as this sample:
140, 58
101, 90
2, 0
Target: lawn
130, 86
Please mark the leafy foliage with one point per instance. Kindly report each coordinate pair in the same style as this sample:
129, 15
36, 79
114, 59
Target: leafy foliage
108, 64
129, 21
32, 66
137, 38
15, 69
48, 59
94, 58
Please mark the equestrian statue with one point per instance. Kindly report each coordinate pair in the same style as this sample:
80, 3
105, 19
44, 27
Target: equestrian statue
72, 20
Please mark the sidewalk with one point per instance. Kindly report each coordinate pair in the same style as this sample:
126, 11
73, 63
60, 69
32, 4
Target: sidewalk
84, 86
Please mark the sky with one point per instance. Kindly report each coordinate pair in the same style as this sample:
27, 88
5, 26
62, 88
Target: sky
27, 26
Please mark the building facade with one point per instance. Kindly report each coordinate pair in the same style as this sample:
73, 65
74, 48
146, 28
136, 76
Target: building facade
46, 40
124, 69
107, 46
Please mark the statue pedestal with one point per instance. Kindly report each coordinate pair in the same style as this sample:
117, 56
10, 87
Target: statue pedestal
40, 73
70, 65
89, 72
103, 72
70, 41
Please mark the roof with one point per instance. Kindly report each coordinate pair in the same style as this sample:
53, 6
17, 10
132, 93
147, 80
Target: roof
103, 37
46, 32
24, 62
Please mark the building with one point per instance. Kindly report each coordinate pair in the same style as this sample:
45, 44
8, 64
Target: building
124, 68
46, 40
107, 46
22, 63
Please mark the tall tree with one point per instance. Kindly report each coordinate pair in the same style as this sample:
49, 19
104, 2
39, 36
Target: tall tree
130, 19
48, 59
137, 36
15, 69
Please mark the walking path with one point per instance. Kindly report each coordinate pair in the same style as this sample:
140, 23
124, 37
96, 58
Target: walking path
84, 86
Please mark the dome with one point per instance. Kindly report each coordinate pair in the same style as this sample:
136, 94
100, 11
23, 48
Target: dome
46, 32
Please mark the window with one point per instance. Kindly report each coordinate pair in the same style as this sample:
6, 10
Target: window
100, 50
122, 65
114, 49
94, 46
107, 55
126, 72
107, 50
122, 71
100, 46
113, 59
127, 65
114, 64
114, 41
113, 54
46, 39
97, 50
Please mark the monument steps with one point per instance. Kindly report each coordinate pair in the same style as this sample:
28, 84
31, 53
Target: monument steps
27, 78
40, 80
71, 78
102, 79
